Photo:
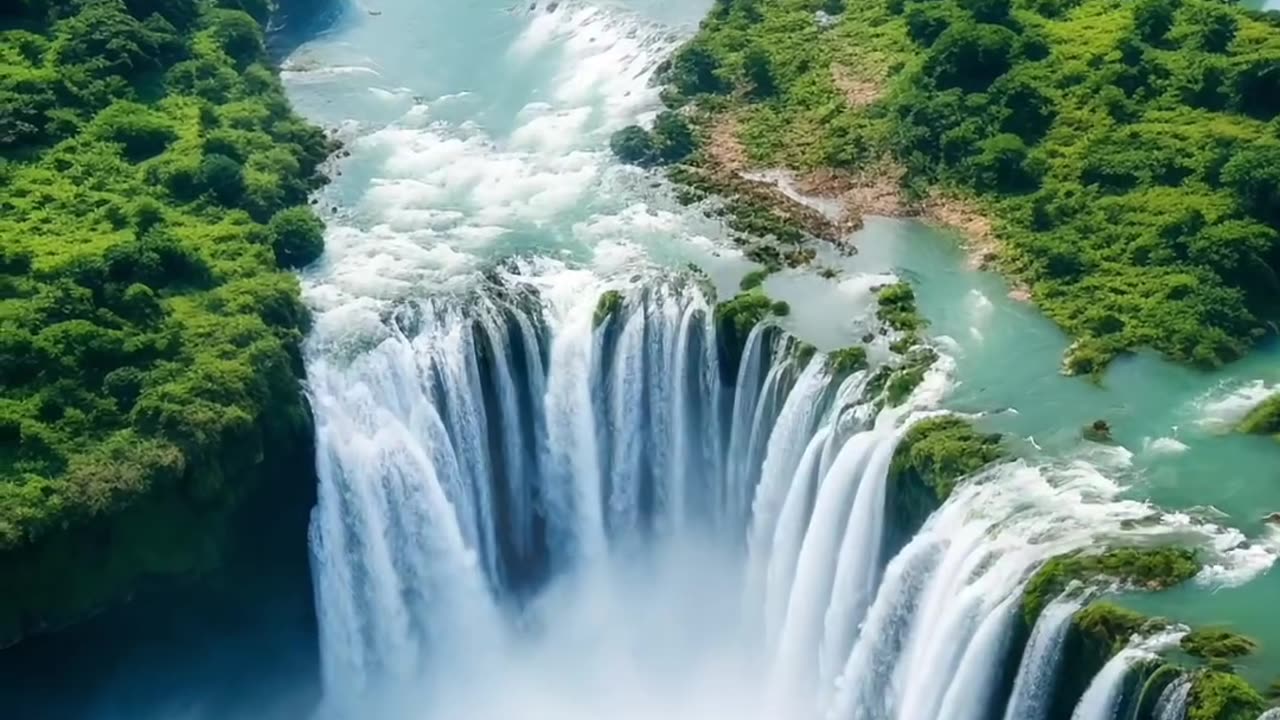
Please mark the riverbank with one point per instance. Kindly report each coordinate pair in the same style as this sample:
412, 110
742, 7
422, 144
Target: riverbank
1112, 161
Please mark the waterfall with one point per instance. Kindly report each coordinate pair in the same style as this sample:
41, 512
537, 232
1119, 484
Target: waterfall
1033, 687
1172, 704
1102, 698
502, 457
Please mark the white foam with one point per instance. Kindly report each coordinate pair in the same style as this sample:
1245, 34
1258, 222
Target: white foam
1222, 408
1164, 446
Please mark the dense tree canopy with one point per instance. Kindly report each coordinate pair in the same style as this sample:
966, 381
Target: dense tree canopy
1127, 151
152, 191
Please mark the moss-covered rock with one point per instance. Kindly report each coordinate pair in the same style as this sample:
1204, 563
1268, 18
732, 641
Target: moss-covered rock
1264, 419
803, 352
610, 302
897, 308
908, 377
744, 311
1111, 627
893, 383
1154, 676
939, 451
780, 308
1098, 431
1217, 695
1146, 568
847, 361
1095, 634
1211, 643
930, 459
734, 320
753, 279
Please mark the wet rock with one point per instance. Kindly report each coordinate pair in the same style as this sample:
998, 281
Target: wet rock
1098, 431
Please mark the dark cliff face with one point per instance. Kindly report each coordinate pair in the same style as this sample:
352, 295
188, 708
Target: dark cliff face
239, 641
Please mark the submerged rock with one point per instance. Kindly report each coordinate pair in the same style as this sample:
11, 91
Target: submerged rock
1098, 431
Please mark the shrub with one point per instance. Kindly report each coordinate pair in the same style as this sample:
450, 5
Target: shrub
297, 237
971, 56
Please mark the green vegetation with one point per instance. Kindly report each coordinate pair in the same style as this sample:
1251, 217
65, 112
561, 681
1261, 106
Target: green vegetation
748, 309
1146, 568
744, 311
802, 351
1217, 695
607, 306
847, 361
670, 141
1127, 154
772, 229
896, 308
753, 279
894, 382
940, 451
1110, 627
153, 183
1216, 643
1263, 419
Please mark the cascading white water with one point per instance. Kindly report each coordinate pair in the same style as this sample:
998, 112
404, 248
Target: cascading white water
1172, 704
595, 437
1033, 687
1101, 701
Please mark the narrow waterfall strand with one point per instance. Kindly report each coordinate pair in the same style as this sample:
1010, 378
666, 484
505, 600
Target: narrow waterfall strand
1037, 673
1172, 704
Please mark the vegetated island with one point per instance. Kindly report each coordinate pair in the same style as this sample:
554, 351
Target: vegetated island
153, 190
1119, 161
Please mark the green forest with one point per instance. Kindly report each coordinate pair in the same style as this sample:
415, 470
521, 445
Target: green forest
153, 190
1126, 152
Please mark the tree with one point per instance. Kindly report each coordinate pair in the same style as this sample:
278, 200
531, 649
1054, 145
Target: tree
297, 237
141, 131
1002, 165
758, 67
970, 56
927, 20
1213, 26
182, 14
988, 11
222, 177
695, 70
239, 35
105, 39
673, 139
633, 145
1152, 19
1029, 110
1258, 86
1254, 175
